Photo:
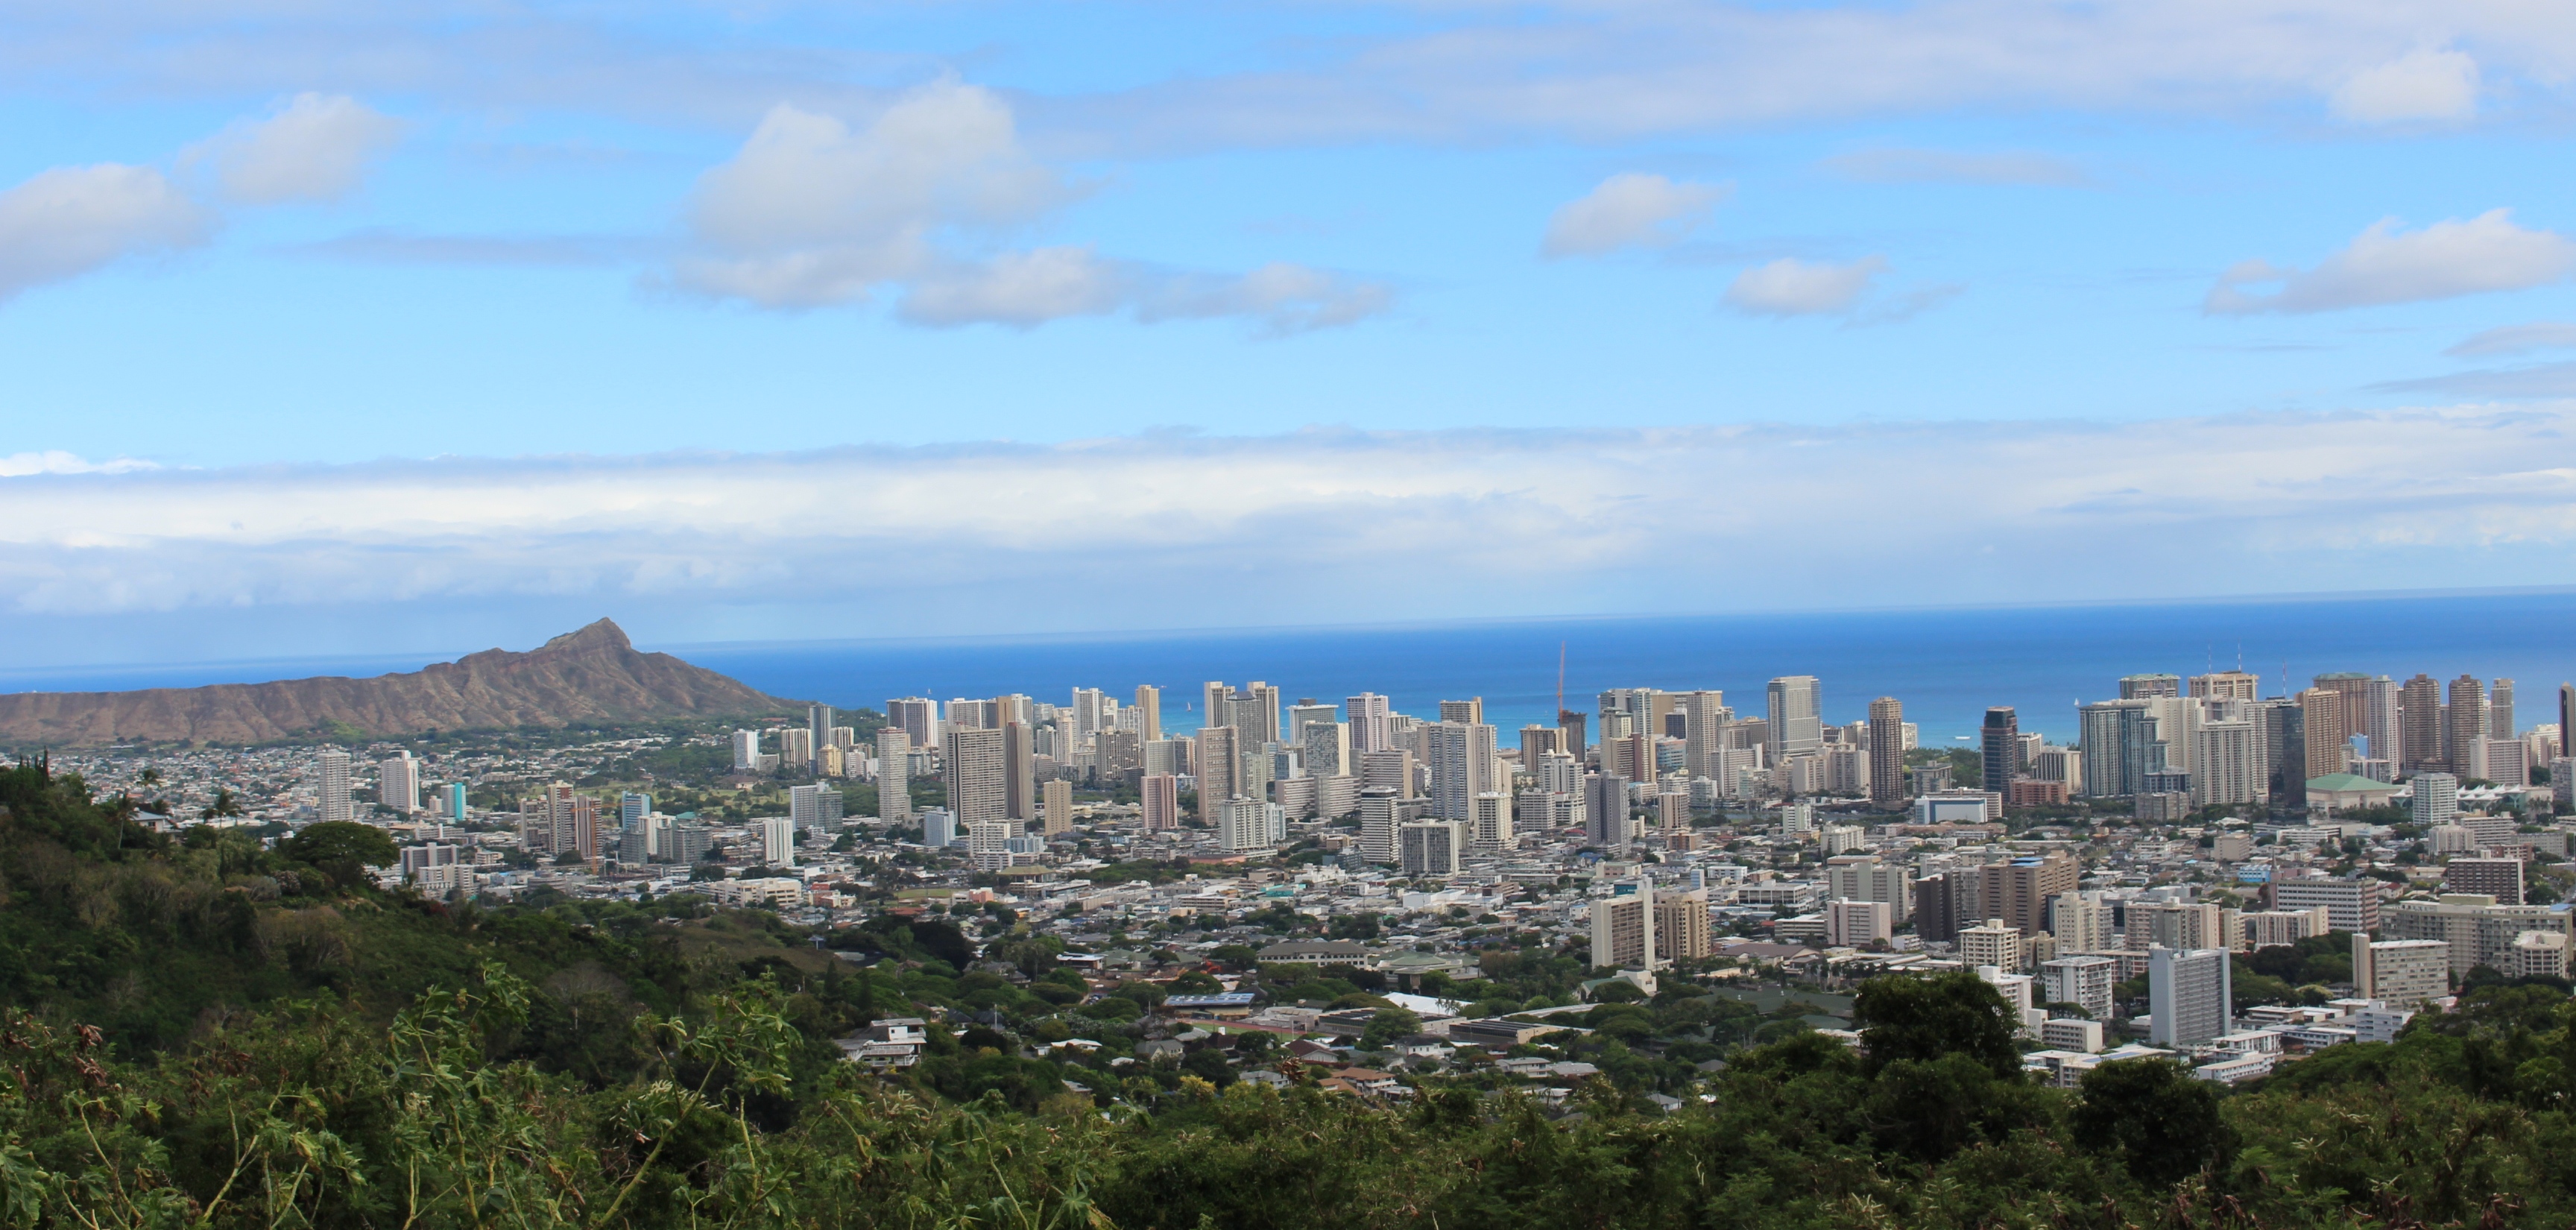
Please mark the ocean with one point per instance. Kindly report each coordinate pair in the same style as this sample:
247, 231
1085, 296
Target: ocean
1946, 665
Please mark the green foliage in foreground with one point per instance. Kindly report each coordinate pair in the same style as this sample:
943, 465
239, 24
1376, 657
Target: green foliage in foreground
315, 1116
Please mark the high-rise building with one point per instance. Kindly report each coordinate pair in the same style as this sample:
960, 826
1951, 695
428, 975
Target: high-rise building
1019, 776
2404, 974
2227, 764
1537, 743
1704, 721
2188, 995
1887, 754
1605, 811
1379, 814
1793, 706
1327, 745
1059, 807
818, 729
2323, 711
814, 807
1623, 928
1220, 775
1369, 717
2144, 687
398, 783
2018, 892
1461, 763
2419, 711
1489, 827
2500, 878
977, 773
2436, 798
2080, 922
1390, 768
1430, 847
331, 793
777, 841
2120, 744
2350, 905
1149, 713
2086, 982
1161, 796
1992, 943
894, 773
2000, 748
2284, 729
1681, 926
2464, 728
1862, 877
917, 717
2369, 709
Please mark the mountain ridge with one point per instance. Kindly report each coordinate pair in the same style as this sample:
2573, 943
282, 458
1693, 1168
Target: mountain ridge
593, 673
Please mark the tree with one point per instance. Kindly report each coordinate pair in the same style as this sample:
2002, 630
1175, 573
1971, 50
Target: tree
1904, 1018
342, 849
2154, 1118
1388, 1025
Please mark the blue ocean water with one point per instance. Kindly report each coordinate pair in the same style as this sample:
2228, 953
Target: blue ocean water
1946, 665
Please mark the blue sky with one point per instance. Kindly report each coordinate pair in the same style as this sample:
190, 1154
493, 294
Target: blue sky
717, 317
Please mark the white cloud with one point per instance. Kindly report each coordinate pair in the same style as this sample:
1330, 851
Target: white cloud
2383, 265
2518, 339
1792, 287
1448, 70
1630, 209
2420, 85
315, 147
812, 213
68, 221
1934, 166
1437, 524
1019, 288
1286, 298
56, 461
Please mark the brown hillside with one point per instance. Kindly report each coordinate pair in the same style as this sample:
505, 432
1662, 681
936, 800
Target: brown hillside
594, 674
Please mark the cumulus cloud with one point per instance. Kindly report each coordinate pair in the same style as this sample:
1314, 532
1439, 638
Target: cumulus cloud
2384, 265
812, 213
314, 147
62, 223
1792, 287
1630, 210
2518, 339
1434, 524
1934, 166
2420, 85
